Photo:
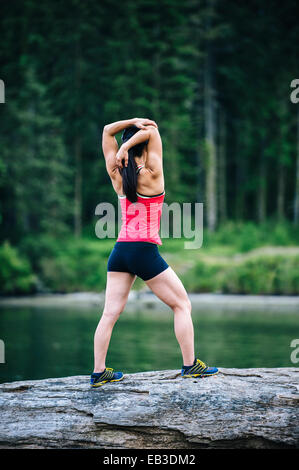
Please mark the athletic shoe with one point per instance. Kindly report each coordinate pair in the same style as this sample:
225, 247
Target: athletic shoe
98, 379
198, 369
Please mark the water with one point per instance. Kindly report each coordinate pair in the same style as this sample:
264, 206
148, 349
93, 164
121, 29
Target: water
57, 342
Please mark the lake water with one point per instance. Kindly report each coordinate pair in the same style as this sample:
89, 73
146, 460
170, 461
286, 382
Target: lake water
58, 342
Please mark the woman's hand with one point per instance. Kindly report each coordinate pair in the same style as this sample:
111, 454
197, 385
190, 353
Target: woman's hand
121, 155
141, 123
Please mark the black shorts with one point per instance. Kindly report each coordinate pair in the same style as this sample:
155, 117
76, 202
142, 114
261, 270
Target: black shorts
140, 258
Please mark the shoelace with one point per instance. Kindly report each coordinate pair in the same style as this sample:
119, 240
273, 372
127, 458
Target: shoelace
107, 374
197, 368
198, 361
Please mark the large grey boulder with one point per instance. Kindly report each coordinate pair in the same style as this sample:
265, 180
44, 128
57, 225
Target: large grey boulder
238, 408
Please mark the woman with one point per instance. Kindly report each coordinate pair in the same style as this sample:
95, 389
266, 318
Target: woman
136, 173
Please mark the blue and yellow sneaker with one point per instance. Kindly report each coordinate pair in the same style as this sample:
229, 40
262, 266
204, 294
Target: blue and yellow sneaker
108, 375
198, 369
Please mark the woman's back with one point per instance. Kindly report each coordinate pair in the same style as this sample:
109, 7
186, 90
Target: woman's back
141, 220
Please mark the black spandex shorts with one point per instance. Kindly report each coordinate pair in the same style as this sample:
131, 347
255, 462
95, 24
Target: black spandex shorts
140, 258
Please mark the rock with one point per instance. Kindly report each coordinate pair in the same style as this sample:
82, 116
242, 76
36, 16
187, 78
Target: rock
238, 408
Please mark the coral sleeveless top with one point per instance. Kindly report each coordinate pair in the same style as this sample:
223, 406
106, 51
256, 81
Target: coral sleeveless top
141, 219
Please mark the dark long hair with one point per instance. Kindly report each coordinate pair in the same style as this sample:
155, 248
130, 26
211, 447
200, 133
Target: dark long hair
128, 173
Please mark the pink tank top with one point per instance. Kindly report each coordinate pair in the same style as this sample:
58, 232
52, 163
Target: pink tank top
141, 219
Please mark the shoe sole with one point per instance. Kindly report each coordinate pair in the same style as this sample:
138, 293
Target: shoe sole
99, 384
193, 376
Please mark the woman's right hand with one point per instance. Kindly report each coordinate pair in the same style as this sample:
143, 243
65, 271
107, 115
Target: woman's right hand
122, 157
141, 123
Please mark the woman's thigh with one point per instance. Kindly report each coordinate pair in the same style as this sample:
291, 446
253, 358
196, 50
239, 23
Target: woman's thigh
117, 291
168, 287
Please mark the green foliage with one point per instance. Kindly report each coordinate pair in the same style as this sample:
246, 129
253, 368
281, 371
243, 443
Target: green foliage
148, 60
66, 79
202, 278
69, 264
78, 266
246, 236
275, 275
37, 172
66, 273
16, 276
263, 275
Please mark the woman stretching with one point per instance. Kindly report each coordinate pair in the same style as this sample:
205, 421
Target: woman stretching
136, 172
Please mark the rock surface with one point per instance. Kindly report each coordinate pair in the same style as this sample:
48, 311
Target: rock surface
238, 408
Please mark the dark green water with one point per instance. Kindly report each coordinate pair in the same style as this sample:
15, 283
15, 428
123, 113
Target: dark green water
42, 343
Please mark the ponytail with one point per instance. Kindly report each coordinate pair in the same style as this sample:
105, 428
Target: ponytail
129, 177
128, 173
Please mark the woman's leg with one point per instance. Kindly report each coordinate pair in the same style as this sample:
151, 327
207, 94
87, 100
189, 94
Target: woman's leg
169, 288
117, 292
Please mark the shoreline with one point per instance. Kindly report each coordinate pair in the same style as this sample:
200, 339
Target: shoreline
146, 300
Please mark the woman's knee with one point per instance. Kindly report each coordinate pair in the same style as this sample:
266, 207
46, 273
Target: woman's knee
182, 305
112, 314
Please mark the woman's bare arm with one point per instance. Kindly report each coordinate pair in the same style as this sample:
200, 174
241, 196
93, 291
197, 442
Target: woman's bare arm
109, 142
154, 148
118, 126
138, 138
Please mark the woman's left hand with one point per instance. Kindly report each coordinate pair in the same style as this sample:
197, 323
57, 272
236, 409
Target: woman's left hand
141, 123
121, 155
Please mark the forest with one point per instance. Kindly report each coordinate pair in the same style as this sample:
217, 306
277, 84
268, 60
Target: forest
218, 77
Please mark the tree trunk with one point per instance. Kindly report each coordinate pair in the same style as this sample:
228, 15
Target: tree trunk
198, 119
198, 122
281, 192
210, 133
78, 188
296, 204
284, 118
238, 408
262, 187
222, 167
78, 147
157, 75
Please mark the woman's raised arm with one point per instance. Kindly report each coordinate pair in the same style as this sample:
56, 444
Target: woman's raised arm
109, 142
148, 133
115, 127
118, 126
